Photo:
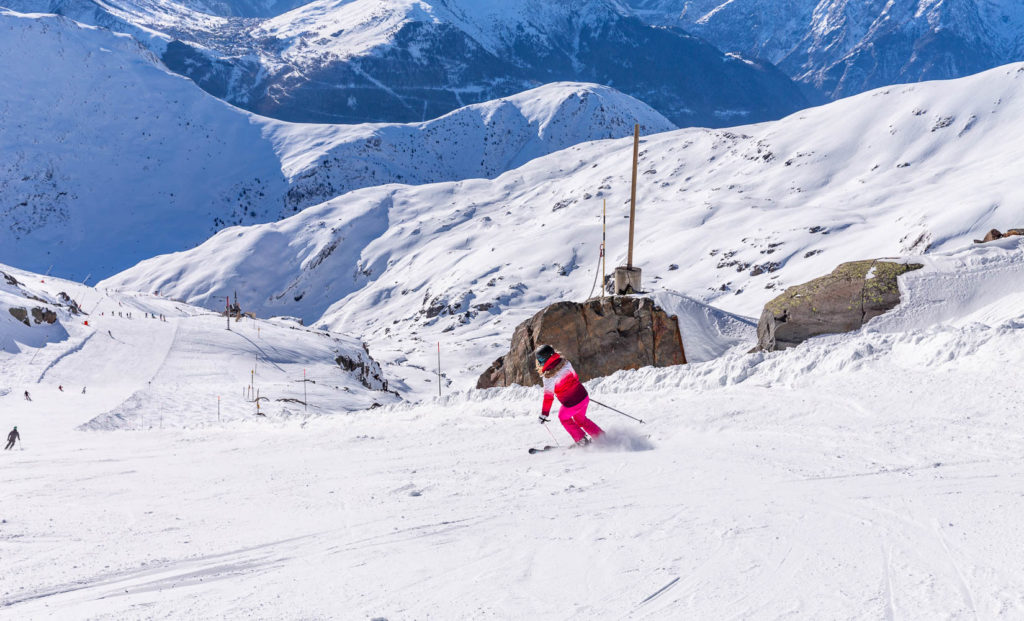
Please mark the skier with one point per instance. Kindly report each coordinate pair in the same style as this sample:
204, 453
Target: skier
12, 437
60, 388
83, 390
27, 397
560, 380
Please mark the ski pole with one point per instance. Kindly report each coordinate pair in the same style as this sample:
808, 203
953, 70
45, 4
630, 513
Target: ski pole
618, 411
552, 435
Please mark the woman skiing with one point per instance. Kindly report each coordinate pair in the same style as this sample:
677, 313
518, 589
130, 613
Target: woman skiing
560, 380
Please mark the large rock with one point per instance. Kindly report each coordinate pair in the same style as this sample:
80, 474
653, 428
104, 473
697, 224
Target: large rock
40, 315
599, 336
994, 234
843, 301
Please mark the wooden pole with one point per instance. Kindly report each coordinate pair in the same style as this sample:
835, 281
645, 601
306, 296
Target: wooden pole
604, 243
305, 398
632, 193
439, 368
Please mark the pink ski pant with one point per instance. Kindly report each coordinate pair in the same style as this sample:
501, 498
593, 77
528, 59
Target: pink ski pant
575, 421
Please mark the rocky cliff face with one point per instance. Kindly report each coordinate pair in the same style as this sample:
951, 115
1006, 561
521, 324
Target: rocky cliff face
844, 300
599, 336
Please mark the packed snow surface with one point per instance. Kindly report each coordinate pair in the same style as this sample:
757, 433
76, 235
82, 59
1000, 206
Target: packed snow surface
871, 475
725, 217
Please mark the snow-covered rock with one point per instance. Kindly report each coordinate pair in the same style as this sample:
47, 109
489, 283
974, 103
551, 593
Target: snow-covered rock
728, 217
107, 158
844, 47
29, 317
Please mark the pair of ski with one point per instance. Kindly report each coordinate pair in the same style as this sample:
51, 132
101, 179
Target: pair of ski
541, 449
535, 449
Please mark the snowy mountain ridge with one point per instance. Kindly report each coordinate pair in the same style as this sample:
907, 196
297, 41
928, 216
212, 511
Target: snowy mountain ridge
353, 61
183, 164
844, 47
726, 217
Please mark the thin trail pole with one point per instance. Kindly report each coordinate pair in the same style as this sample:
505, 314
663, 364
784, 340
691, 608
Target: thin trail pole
218, 409
439, 368
592, 400
305, 399
555, 440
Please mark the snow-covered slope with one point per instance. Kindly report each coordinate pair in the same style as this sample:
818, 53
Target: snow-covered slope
729, 217
480, 140
844, 47
107, 157
20, 327
126, 160
869, 475
174, 371
351, 61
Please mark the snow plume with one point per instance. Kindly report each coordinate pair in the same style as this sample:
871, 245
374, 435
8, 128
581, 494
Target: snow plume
623, 440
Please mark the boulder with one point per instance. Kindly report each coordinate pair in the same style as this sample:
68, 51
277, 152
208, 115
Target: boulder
599, 336
21, 314
843, 301
994, 234
43, 315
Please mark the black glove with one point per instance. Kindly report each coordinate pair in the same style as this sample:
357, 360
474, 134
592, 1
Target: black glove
543, 418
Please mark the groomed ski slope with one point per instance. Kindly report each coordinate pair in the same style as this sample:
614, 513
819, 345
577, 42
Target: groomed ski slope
863, 476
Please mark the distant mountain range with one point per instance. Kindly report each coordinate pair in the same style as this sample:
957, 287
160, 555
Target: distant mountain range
106, 158
844, 47
352, 61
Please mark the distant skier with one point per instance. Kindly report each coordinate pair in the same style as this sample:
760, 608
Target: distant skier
60, 388
83, 390
560, 380
27, 397
12, 437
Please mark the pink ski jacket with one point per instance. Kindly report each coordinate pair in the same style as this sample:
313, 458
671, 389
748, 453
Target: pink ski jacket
560, 380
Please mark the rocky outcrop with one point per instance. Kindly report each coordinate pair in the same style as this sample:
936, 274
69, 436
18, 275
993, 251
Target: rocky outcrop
44, 315
843, 301
21, 314
68, 301
11, 280
600, 336
994, 234
39, 315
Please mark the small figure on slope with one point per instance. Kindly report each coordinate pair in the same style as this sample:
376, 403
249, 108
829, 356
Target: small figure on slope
27, 397
560, 380
12, 437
